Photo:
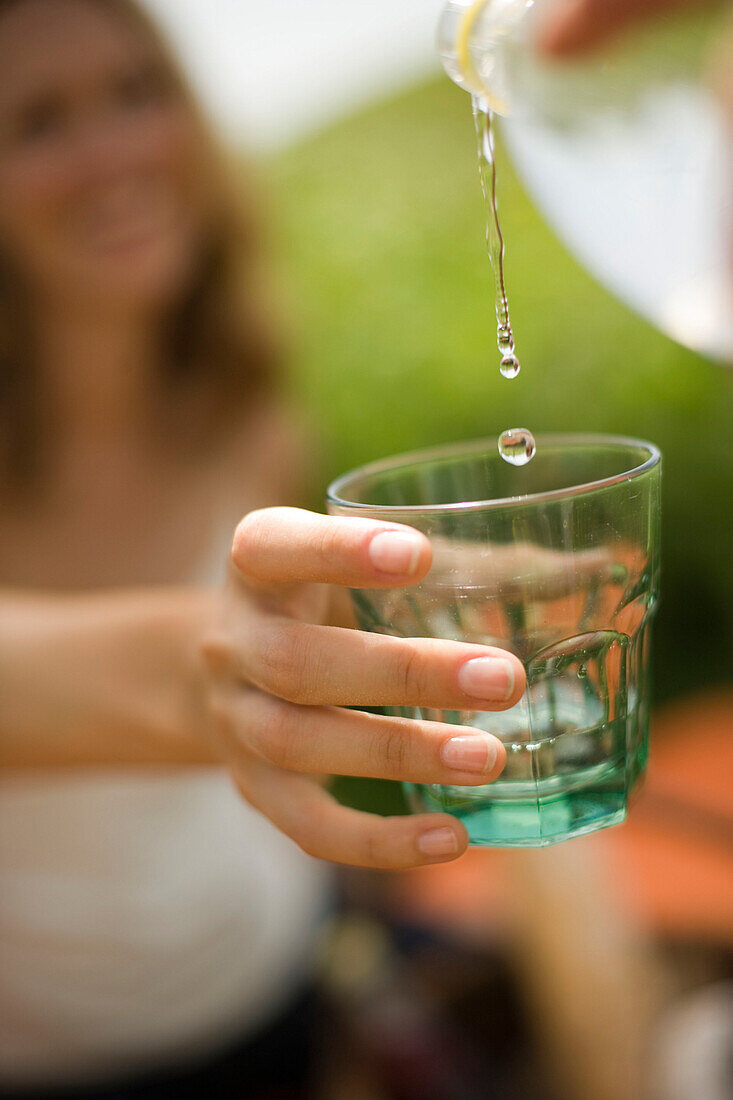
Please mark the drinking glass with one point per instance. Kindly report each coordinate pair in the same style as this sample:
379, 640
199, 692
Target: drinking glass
557, 561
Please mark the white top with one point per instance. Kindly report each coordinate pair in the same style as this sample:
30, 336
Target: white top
143, 917
146, 917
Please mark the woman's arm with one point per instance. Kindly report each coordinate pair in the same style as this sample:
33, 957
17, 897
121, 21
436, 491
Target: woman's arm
109, 678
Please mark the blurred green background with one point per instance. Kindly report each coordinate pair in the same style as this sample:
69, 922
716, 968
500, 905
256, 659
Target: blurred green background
380, 231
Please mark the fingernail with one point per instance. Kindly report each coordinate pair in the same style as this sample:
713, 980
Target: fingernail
487, 678
396, 552
470, 754
438, 842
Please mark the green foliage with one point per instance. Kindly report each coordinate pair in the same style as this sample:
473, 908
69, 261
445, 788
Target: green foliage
380, 231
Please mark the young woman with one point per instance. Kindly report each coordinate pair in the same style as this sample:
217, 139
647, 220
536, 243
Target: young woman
147, 913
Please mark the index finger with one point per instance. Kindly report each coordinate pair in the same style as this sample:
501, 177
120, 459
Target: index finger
290, 546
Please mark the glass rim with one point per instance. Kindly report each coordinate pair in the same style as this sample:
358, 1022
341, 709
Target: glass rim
459, 450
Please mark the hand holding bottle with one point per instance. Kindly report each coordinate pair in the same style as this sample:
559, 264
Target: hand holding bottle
574, 26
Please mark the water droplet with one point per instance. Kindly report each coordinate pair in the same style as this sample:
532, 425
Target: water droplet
582, 672
510, 367
505, 339
517, 446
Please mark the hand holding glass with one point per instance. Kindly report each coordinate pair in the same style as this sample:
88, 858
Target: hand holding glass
557, 562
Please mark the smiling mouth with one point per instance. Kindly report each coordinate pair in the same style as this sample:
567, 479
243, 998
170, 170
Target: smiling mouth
126, 217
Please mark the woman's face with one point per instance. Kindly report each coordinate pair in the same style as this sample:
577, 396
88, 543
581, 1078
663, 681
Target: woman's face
97, 158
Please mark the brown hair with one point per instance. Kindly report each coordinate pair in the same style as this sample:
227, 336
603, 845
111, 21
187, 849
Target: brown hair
217, 351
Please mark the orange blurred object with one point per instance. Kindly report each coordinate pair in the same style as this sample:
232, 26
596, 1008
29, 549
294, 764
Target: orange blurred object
674, 857
670, 865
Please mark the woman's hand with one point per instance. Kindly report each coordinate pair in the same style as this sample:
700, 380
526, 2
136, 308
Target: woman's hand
282, 672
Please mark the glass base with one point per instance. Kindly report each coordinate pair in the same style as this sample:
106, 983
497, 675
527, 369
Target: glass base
515, 830
540, 821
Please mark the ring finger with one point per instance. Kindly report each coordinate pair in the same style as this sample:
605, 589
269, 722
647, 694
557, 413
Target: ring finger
319, 740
